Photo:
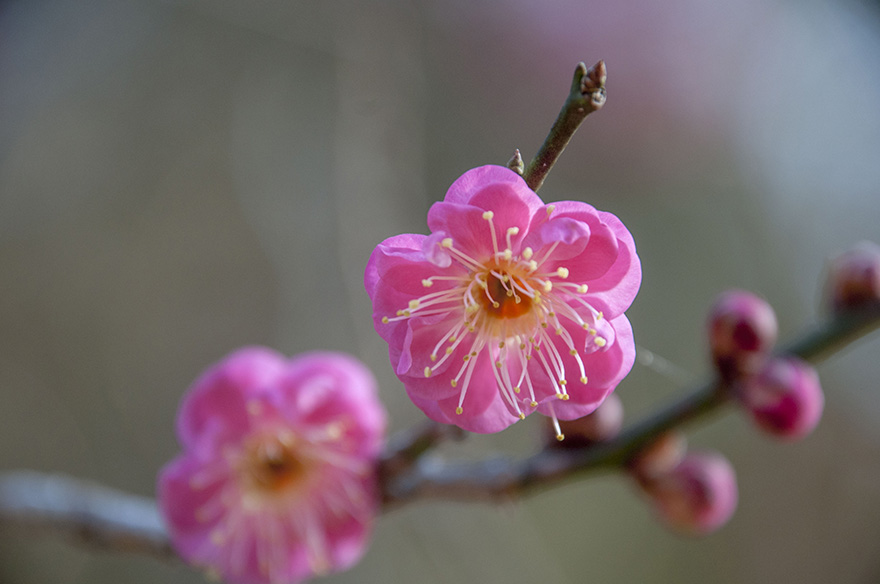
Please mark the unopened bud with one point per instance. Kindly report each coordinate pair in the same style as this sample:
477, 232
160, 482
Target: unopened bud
698, 496
601, 425
742, 331
854, 278
659, 458
785, 398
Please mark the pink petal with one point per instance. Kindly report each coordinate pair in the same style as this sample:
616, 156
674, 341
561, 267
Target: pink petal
220, 395
468, 185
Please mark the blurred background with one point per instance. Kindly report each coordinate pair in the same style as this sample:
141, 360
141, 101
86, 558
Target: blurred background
182, 177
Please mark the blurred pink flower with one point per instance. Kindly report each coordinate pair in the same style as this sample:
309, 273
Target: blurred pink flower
276, 482
508, 306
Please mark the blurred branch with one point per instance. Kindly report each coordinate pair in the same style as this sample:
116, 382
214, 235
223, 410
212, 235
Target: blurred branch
84, 511
587, 95
122, 522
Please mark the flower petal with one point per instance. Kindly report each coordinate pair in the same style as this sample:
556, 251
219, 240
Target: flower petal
218, 398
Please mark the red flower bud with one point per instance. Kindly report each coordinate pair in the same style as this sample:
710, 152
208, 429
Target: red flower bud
602, 425
785, 398
698, 496
742, 331
854, 278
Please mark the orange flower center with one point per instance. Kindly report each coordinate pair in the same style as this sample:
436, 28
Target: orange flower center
270, 464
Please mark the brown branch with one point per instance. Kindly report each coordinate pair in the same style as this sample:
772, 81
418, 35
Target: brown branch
500, 477
587, 95
118, 521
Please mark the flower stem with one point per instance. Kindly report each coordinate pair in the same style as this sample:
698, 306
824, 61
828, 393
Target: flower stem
587, 95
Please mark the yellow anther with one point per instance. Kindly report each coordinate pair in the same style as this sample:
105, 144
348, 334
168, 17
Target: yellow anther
522, 416
487, 215
522, 346
533, 265
507, 253
560, 437
509, 293
399, 313
452, 339
573, 352
495, 304
600, 316
517, 300
516, 390
527, 253
427, 372
448, 350
550, 209
584, 379
559, 395
512, 230
466, 358
534, 404
453, 383
427, 283
562, 272
593, 331
459, 410
565, 397
559, 331
548, 285
600, 342
407, 313
582, 289
551, 314
413, 304
433, 356
498, 364
474, 354
471, 328
501, 345
446, 242
544, 325
385, 320
563, 382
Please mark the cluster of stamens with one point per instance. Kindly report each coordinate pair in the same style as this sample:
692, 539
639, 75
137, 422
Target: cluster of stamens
507, 305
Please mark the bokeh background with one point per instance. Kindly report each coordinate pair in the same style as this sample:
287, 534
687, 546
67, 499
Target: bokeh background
182, 177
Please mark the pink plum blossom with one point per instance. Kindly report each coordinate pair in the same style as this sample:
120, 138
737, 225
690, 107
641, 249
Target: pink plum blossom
508, 306
276, 482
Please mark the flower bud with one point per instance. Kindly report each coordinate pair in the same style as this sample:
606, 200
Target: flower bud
742, 330
601, 425
854, 278
659, 458
698, 496
785, 398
